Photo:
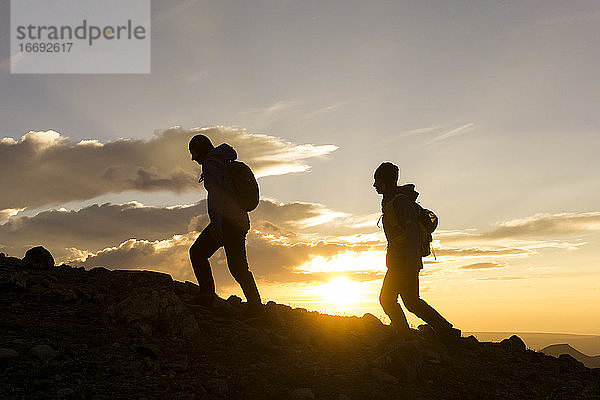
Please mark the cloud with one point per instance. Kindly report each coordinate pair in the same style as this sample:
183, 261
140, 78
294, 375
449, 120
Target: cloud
478, 252
434, 129
9, 212
482, 265
501, 278
45, 168
541, 225
286, 243
453, 132
523, 236
295, 214
271, 258
134, 236
98, 226
168, 255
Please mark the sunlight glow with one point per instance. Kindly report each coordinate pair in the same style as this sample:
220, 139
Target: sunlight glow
348, 261
340, 291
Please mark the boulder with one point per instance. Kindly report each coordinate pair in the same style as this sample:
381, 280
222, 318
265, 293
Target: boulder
303, 394
156, 311
406, 360
8, 353
10, 262
44, 352
383, 377
217, 386
513, 344
21, 280
38, 258
234, 300
65, 393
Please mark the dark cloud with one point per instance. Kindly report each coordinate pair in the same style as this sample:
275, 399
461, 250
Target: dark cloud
547, 225
134, 236
537, 227
98, 226
477, 252
46, 168
270, 258
168, 255
482, 265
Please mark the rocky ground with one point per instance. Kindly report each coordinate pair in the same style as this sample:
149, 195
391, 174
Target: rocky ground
68, 333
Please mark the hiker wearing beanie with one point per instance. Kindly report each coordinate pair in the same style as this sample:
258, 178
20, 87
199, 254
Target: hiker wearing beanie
229, 222
403, 257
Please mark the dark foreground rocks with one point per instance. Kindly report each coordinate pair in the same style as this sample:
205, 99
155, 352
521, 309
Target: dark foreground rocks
67, 333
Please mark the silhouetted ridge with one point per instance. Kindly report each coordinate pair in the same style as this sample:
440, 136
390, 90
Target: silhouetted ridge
70, 333
558, 350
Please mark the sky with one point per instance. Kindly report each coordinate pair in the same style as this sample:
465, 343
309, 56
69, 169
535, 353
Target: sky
490, 108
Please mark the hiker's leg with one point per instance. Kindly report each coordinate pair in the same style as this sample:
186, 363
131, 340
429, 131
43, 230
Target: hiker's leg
418, 306
235, 249
388, 298
204, 247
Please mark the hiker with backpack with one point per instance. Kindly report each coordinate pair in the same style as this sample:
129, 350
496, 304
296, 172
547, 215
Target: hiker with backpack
232, 193
407, 227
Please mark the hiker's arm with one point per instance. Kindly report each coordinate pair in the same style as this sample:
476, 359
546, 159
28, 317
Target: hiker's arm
407, 219
213, 182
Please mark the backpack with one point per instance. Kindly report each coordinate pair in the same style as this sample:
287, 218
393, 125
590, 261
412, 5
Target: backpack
428, 222
244, 185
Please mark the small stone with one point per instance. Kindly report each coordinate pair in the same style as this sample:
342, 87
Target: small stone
44, 352
471, 341
20, 279
302, 394
217, 386
65, 393
383, 377
8, 353
426, 330
259, 338
432, 357
372, 320
234, 300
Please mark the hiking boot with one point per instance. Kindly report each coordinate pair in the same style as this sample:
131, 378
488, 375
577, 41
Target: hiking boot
405, 334
450, 335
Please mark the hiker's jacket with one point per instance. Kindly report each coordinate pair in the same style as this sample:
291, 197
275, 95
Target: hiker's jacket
401, 229
217, 181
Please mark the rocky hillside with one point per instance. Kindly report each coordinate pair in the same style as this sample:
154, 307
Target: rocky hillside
68, 333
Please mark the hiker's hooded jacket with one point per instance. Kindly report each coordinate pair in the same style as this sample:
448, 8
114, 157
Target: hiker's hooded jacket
222, 205
401, 229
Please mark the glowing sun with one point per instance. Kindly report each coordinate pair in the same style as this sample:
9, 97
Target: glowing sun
340, 291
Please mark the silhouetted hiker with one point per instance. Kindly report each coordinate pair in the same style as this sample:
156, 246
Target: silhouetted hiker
403, 257
229, 221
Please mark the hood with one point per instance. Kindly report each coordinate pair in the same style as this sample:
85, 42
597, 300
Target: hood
223, 152
409, 191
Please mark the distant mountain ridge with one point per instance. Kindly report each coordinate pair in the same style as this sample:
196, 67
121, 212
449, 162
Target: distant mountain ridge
587, 344
556, 350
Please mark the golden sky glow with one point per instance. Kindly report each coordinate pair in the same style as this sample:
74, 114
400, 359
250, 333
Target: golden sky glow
491, 110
